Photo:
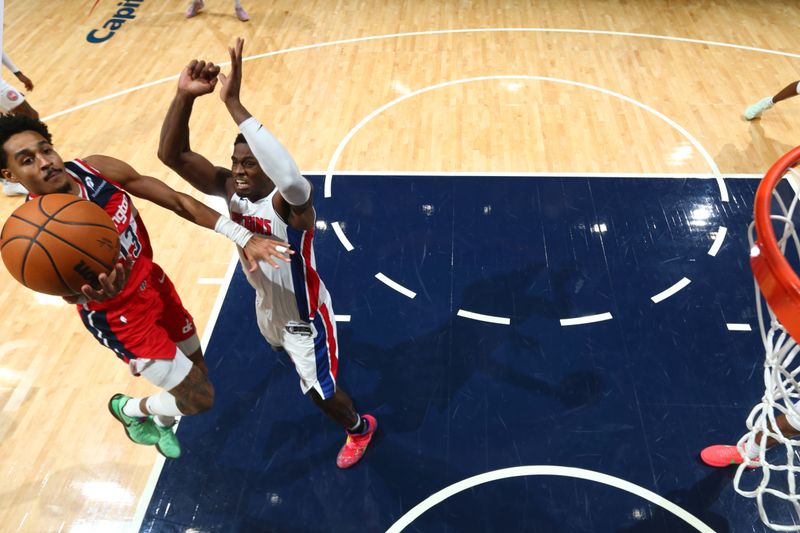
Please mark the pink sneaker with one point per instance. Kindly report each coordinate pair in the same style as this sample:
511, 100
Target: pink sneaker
355, 445
722, 455
241, 14
194, 8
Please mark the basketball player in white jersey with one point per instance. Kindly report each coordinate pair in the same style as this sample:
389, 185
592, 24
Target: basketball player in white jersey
267, 194
13, 101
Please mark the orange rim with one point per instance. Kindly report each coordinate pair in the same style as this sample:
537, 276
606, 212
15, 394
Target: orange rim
778, 281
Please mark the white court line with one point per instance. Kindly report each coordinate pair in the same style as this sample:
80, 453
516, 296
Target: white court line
150, 486
721, 232
663, 295
210, 281
547, 470
337, 229
430, 32
341, 318
484, 318
396, 286
723, 190
494, 174
588, 319
732, 326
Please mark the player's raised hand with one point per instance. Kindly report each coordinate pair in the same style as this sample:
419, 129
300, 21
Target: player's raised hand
232, 83
198, 78
267, 250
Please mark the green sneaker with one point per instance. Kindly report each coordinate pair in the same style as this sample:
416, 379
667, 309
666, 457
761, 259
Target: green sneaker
168, 444
139, 430
755, 110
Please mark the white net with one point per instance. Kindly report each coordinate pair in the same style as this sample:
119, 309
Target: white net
771, 478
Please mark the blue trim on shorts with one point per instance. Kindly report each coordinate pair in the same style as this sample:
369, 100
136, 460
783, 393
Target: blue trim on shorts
101, 330
295, 238
324, 377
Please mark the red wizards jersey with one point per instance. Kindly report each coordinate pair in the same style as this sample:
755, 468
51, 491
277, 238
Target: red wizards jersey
133, 238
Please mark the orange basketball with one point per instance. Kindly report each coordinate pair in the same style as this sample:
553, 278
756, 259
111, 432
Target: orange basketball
59, 242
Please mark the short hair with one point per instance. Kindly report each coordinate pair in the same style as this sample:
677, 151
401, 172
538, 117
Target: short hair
11, 124
240, 140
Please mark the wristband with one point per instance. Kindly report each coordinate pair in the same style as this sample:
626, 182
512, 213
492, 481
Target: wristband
238, 234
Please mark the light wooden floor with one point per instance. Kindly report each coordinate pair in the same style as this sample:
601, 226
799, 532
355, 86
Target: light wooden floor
66, 464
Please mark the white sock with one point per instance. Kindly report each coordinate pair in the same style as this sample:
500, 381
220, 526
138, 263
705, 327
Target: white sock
237, 3
163, 404
752, 450
132, 408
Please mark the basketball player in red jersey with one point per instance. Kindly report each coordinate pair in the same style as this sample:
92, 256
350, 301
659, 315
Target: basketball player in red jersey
135, 311
266, 192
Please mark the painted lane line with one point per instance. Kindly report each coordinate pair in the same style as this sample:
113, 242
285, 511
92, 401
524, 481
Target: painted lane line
721, 232
599, 175
723, 190
588, 319
342, 318
337, 229
547, 470
484, 318
663, 295
396, 286
732, 326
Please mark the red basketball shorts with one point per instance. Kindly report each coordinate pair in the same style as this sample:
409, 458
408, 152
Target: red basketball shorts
147, 323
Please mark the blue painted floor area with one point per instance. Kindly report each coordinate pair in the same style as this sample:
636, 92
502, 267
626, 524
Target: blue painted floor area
636, 397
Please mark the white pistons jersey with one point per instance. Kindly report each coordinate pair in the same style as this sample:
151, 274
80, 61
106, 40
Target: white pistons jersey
293, 292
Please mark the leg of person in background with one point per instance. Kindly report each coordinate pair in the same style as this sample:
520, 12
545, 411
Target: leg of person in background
241, 14
756, 110
721, 455
195, 6
26, 109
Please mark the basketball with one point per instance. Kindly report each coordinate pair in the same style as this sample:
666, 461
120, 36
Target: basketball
57, 243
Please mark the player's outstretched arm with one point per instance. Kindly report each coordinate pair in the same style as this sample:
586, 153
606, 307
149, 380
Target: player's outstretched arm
174, 150
273, 158
158, 192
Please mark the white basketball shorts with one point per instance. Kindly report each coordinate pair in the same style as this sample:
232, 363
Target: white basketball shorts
10, 98
313, 347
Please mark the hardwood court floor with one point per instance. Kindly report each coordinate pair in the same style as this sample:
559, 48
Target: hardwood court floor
582, 86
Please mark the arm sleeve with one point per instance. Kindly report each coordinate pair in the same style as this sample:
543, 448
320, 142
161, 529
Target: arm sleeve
9, 64
276, 162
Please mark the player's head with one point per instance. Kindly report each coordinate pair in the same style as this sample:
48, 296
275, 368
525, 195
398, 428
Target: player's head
28, 157
249, 179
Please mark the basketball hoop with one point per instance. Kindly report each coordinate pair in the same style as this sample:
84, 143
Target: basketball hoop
777, 291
